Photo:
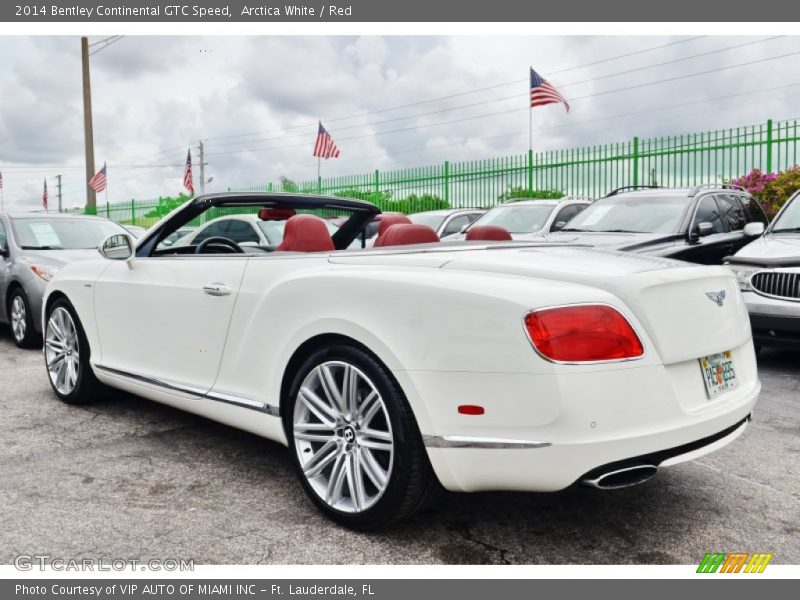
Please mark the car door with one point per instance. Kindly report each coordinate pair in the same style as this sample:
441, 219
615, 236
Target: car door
563, 216
732, 209
5, 268
711, 249
455, 224
165, 319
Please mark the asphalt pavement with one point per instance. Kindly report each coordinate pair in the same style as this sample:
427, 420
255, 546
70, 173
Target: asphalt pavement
131, 479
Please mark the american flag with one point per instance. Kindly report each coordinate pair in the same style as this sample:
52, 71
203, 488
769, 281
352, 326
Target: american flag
187, 174
44, 195
98, 182
543, 93
325, 147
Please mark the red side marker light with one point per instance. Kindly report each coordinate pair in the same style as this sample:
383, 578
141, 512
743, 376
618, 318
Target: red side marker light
470, 409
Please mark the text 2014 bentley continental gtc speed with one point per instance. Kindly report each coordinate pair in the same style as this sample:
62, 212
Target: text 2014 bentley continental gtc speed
392, 370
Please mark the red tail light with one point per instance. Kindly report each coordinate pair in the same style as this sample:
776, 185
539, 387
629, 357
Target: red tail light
582, 333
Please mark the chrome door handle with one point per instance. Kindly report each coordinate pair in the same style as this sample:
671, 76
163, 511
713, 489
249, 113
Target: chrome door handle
217, 289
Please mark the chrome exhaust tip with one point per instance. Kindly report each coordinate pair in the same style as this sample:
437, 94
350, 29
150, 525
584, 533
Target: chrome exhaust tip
621, 478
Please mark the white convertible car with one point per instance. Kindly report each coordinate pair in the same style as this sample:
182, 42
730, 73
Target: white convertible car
391, 371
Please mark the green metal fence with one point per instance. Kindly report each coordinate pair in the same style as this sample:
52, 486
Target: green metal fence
589, 171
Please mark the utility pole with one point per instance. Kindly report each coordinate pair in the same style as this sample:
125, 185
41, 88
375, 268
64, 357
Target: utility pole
202, 168
58, 179
88, 134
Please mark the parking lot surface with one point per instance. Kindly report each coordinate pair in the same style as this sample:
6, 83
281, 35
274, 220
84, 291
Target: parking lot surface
131, 479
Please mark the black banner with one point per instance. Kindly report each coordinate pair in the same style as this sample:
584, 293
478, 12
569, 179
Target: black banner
407, 10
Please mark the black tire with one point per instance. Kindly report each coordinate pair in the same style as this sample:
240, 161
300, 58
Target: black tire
412, 484
87, 388
29, 338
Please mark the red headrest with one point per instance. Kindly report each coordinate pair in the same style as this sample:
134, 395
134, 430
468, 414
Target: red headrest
488, 232
408, 233
276, 214
306, 233
387, 220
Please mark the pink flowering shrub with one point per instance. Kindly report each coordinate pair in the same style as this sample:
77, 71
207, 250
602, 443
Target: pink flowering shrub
771, 189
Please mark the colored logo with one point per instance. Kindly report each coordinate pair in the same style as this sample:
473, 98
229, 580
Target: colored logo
734, 562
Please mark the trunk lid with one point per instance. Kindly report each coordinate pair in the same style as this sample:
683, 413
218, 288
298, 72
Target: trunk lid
669, 298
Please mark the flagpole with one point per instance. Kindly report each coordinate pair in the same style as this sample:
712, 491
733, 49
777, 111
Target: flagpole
530, 115
319, 174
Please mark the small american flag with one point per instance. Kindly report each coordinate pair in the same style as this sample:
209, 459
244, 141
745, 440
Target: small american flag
44, 195
98, 182
187, 174
543, 93
325, 147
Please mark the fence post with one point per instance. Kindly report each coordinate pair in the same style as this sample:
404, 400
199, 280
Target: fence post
530, 169
447, 182
635, 161
769, 145
377, 182
133, 212
108, 210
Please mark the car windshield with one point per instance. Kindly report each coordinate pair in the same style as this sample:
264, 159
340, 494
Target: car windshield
521, 218
274, 230
432, 220
634, 214
46, 233
789, 221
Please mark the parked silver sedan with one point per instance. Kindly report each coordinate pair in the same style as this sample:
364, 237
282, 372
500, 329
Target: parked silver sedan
768, 271
448, 221
33, 247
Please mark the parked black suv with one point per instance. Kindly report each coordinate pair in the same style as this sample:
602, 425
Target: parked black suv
703, 224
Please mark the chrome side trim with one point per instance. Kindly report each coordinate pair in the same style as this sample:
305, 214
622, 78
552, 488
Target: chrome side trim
195, 391
466, 441
243, 402
169, 385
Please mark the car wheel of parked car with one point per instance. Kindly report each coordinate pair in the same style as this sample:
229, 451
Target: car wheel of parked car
355, 443
21, 319
66, 354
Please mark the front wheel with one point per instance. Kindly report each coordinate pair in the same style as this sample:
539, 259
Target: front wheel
66, 354
21, 318
354, 440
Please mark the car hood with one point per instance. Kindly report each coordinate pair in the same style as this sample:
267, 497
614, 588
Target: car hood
59, 258
781, 245
617, 241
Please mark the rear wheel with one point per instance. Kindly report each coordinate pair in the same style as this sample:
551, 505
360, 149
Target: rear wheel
354, 440
66, 354
21, 319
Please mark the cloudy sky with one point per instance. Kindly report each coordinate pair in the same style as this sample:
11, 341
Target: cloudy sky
390, 102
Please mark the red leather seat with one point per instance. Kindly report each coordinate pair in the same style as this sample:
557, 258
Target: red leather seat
306, 233
387, 220
488, 232
408, 233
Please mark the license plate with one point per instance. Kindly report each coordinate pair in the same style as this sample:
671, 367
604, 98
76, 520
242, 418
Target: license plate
718, 373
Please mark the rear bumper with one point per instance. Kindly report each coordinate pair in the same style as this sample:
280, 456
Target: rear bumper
544, 433
775, 323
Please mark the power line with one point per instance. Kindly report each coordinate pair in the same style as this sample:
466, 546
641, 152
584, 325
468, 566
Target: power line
106, 43
512, 97
459, 94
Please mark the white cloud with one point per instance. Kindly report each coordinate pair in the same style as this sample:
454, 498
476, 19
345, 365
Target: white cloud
153, 97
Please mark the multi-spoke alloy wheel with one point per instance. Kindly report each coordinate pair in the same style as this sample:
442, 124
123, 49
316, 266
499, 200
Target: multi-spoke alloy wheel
343, 436
19, 318
66, 355
62, 351
357, 448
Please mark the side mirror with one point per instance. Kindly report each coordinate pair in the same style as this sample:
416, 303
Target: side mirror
117, 247
754, 229
558, 225
701, 230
